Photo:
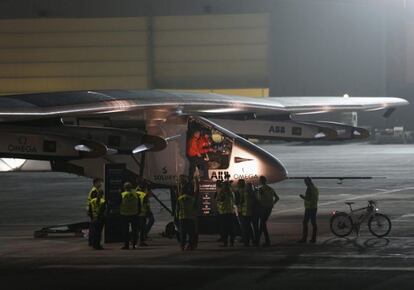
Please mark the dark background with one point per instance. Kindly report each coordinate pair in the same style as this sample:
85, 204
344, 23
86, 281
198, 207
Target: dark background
318, 47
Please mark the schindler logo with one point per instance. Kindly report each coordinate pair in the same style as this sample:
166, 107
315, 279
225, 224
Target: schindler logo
22, 146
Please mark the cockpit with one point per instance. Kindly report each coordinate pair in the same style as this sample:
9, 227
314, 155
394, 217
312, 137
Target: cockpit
216, 146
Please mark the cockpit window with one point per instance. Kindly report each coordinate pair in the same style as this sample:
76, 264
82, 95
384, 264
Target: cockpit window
216, 146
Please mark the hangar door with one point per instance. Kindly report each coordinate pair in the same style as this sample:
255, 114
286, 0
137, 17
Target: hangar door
211, 51
72, 54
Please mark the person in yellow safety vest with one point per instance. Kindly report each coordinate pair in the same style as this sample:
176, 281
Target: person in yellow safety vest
310, 199
267, 198
186, 208
256, 211
143, 214
130, 208
96, 187
142, 185
225, 208
96, 210
245, 206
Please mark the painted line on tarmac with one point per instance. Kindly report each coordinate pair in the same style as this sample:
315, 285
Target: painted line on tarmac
405, 257
276, 255
364, 196
230, 267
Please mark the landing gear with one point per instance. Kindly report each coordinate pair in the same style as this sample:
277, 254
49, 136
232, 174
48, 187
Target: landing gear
171, 230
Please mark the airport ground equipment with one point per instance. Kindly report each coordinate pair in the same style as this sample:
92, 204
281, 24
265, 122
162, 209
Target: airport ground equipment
76, 229
343, 224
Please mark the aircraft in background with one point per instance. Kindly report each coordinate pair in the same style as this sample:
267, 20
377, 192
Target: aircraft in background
81, 131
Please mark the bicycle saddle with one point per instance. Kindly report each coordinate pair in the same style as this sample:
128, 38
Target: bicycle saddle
349, 202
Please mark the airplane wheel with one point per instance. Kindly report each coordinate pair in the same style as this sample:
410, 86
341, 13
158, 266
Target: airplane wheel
170, 231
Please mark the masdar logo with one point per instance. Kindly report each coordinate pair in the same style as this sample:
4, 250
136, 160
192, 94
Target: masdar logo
241, 159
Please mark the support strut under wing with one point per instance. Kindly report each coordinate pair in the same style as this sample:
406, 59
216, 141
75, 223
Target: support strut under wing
339, 178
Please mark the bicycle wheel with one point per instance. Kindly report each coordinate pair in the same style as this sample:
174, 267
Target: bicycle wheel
341, 224
379, 225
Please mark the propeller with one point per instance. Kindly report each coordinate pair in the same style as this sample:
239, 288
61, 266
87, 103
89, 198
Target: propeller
111, 151
171, 138
142, 148
82, 148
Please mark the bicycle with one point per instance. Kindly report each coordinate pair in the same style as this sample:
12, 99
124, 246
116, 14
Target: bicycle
343, 223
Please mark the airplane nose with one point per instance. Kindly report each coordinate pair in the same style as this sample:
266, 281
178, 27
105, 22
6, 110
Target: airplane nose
274, 170
267, 164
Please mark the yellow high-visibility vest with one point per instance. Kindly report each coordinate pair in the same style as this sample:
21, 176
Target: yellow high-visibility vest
129, 203
145, 204
225, 201
266, 196
186, 207
311, 202
246, 202
96, 208
91, 194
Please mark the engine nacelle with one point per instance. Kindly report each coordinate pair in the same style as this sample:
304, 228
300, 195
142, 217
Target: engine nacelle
72, 142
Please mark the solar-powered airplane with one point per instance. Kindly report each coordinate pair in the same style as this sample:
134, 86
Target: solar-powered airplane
79, 132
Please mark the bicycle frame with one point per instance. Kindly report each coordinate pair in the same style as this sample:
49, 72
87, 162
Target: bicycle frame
356, 219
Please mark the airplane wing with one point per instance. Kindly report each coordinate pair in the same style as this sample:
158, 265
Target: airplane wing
101, 124
121, 102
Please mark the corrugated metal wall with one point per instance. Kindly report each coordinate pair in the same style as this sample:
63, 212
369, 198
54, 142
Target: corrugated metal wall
72, 54
223, 51
184, 52
409, 65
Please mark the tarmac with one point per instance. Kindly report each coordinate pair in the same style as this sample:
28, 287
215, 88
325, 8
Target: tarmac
29, 201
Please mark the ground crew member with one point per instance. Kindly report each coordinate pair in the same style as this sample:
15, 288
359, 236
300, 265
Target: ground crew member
96, 210
267, 198
310, 198
196, 193
142, 185
256, 212
96, 187
195, 155
225, 207
150, 220
186, 212
245, 211
130, 209
143, 214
